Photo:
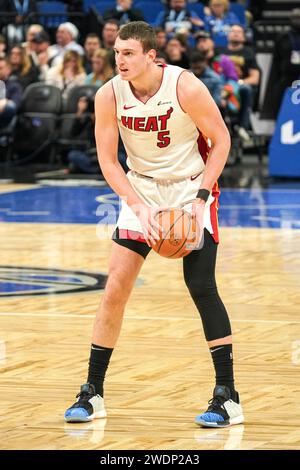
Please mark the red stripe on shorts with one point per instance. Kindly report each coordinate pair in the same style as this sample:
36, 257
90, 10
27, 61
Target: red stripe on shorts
131, 235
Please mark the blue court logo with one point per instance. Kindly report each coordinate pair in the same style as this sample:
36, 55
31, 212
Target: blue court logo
20, 281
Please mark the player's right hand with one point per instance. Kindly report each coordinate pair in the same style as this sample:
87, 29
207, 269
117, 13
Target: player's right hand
151, 229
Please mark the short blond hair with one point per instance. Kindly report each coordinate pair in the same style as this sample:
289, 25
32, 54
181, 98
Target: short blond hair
225, 3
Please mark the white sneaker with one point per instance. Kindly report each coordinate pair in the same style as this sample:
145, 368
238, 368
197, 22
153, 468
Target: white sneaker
88, 406
223, 411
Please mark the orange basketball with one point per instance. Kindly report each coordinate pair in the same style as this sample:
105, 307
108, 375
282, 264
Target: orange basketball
180, 233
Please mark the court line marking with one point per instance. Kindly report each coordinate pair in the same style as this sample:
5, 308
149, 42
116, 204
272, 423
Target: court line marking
129, 317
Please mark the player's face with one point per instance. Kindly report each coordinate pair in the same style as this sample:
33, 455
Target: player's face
131, 60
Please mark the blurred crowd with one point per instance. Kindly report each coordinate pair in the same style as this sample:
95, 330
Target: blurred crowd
216, 46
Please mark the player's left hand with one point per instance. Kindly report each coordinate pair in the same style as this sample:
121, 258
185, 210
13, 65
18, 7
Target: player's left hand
198, 208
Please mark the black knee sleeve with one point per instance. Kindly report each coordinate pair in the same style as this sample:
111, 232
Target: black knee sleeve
199, 276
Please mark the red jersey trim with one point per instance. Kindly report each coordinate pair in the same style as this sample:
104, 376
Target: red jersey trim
177, 91
204, 150
203, 146
113, 89
150, 97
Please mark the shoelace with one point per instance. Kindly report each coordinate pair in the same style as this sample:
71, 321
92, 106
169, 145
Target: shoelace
85, 396
216, 403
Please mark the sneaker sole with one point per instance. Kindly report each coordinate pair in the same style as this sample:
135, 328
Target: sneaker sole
97, 415
232, 422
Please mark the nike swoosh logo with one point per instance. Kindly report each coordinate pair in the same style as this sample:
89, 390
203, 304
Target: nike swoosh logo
129, 107
195, 177
214, 350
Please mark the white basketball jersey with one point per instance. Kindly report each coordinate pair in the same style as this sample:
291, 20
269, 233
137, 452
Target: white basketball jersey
159, 137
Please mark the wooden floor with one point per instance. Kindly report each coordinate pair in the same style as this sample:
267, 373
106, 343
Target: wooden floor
160, 375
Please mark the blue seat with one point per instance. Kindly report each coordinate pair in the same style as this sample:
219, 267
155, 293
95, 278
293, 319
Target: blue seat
150, 10
240, 12
220, 39
197, 8
51, 14
87, 4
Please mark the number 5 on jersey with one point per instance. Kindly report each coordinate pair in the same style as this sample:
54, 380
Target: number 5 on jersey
163, 139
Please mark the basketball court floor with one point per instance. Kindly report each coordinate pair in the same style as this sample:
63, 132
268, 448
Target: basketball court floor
54, 257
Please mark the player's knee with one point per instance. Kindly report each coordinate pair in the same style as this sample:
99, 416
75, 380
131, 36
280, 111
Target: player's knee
200, 287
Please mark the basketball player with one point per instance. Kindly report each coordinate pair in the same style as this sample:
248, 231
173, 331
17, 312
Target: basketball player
158, 111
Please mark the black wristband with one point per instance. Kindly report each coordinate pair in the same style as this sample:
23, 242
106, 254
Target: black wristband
203, 194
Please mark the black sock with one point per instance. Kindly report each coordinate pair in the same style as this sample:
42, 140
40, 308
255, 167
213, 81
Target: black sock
223, 363
99, 360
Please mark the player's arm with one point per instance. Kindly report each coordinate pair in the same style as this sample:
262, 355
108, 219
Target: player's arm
196, 100
107, 138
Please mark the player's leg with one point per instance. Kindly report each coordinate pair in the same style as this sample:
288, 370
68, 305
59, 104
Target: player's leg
199, 274
124, 266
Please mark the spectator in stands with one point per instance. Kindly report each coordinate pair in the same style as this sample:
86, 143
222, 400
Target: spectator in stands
202, 71
29, 45
176, 55
18, 14
67, 75
85, 158
220, 20
184, 41
66, 37
247, 70
102, 70
22, 67
243, 56
124, 13
245, 3
236, 100
109, 34
13, 93
2, 46
42, 43
177, 18
161, 39
30, 33
286, 64
217, 62
91, 44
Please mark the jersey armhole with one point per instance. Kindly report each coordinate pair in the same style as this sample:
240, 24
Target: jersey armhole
177, 90
115, 99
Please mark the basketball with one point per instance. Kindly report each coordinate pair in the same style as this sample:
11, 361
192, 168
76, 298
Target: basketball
180, 233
